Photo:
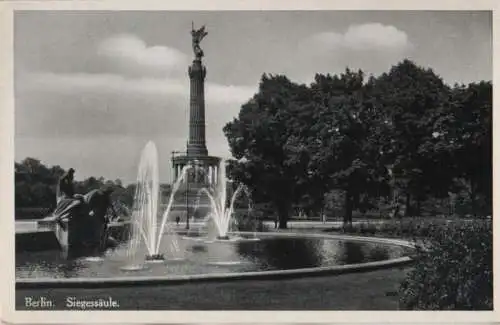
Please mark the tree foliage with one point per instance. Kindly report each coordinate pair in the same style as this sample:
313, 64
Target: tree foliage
265, 140
36, 184
472, 135
347, 150
405, 132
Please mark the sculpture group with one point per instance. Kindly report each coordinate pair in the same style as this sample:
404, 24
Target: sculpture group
82, 221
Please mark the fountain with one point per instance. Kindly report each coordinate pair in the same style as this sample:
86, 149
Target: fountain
221, 213
154, 241
144, 225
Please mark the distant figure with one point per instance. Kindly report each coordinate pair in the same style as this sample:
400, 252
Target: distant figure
177, 220
260, 225
276, 222
323, 217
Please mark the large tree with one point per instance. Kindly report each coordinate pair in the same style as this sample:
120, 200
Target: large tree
472, 117
406, 130
414, 100
346, 145
265, 139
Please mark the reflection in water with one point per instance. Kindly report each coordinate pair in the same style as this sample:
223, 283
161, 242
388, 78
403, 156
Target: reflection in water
47, 264
199, 248
354, 253
287, 253
202, 257
378, 253
70, 268
350, 252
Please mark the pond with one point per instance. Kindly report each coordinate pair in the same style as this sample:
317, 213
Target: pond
195, 255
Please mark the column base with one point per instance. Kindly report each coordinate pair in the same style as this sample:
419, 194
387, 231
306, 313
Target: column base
197, 150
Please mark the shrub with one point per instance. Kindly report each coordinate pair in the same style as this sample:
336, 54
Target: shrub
453, 269
367, 229
248, 222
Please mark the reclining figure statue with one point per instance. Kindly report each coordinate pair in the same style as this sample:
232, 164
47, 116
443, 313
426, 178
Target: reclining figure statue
82, 220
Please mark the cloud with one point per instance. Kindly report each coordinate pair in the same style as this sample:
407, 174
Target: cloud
133, 91
229, 94
371, 36
144, 86
131, 53
89, 105
100, 83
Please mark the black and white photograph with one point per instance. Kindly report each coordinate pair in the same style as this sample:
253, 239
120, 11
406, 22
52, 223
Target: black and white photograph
252, 160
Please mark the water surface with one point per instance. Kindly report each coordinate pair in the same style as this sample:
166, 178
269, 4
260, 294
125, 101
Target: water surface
202, 257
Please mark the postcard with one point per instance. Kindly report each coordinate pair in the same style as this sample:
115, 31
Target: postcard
229, 162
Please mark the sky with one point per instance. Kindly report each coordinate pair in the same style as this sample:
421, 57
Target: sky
92, 88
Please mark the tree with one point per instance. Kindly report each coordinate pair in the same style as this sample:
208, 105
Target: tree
473, 138
414, 100
266, 140
345, 144
36, 184
405, 131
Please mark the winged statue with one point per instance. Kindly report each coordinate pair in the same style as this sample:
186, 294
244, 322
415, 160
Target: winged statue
198, 35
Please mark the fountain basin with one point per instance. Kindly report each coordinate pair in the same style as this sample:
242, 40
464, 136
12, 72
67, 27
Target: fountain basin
133, 268
224, 272
235, 239
155, 258
224, 239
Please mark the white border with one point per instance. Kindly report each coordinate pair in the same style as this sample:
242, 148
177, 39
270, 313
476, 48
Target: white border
205, 317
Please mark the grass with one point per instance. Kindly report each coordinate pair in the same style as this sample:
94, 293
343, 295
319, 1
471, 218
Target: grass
375, 290
407, 228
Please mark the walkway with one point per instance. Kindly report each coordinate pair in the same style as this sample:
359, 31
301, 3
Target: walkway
30, 226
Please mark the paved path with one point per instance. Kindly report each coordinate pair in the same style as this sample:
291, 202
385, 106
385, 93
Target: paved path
29, 226
318, 224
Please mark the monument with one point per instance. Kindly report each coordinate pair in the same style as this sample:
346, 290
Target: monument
196, 154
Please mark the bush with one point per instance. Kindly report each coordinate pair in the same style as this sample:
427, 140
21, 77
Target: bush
367, 229
248, 222
453, 271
